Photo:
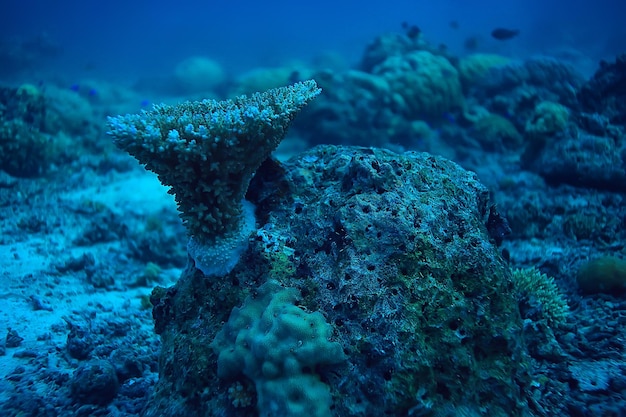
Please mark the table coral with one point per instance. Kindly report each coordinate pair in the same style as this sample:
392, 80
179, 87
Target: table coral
207, 152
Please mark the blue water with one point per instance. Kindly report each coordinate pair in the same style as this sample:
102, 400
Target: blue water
131, 38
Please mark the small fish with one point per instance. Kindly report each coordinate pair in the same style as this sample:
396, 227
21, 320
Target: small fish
92, 92
75, 87
454, 24
503, 34
412, 31
145, 102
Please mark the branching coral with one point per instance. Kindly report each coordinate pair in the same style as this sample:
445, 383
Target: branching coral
540, 291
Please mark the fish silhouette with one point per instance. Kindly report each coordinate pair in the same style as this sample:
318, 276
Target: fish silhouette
503, 34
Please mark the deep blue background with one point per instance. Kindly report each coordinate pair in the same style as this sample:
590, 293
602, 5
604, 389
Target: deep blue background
138, 37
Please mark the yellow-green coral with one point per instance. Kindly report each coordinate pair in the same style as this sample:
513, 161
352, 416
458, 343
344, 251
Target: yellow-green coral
538, 287
422, 84
547, 119
474, 67
28, 91
606, 274
496, 132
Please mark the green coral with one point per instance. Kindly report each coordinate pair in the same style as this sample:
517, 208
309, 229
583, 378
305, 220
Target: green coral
475, 67
495, 132
423, 84
606, 274
538, 288
277, 344
547, 119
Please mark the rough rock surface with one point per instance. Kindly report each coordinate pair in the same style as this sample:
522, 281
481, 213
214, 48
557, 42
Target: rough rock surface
394, 251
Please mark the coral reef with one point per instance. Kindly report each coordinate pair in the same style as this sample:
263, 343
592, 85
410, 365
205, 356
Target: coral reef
356, 107
576, 145
390, 106
515, 89
403, 90
346, 281
392, 44
69, 113
582, 160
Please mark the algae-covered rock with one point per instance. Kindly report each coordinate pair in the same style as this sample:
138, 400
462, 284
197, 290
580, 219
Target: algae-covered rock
394, 252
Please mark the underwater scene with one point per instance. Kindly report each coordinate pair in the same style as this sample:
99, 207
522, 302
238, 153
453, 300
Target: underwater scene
328, 209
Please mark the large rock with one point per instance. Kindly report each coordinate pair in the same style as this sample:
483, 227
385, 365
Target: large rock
395, 252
